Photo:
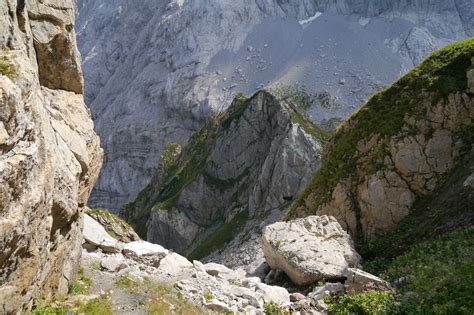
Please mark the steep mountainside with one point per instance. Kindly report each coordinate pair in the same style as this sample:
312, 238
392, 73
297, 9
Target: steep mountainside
155, 70
239, 170
396, 154
49, 154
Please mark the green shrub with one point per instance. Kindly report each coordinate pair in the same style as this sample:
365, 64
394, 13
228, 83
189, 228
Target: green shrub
7, 68
272, 309
208, 296
81, 285
439, 273
369, 303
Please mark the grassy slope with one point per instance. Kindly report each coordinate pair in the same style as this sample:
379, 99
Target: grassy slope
432, 248
442, 73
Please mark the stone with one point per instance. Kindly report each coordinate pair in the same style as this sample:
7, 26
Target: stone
50, 156
216, 270
469, 182
359, 281
295, 297
174, 264
199, 266
116, 227
112, 263
310, 249
251, 296
251, 282
145, 252
95, 234
470, 80
218, 306
319, 293
273, 294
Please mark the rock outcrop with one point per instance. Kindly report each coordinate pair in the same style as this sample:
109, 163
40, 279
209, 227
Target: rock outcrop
309, 250
118, 228
239, 170
155, 70
399, 148
49, 154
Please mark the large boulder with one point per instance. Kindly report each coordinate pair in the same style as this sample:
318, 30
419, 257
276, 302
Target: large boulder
96, 236
116, 227
309, 249
49, 153
144, 252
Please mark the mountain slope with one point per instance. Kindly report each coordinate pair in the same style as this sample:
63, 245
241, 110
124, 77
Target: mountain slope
243, 166
399, 149
155, 70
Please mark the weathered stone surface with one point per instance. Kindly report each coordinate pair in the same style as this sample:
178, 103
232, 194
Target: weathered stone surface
319, 293
309, 249
95, 234
174, 263
49, 154
273, 294
218, 306
115, 227
112, 263
145, 252
359, 281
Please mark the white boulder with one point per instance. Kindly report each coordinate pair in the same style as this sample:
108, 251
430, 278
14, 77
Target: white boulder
310, 249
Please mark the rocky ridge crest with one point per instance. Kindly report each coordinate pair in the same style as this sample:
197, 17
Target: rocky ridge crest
399, 148
236, 173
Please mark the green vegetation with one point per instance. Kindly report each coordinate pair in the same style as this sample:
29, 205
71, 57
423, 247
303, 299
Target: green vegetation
272, 309
7, 68
158, 298
368, 303
221, 236
169, 155
439, 275
208, 296
105, 217
81, 285
442, 73
317, 133
99, 306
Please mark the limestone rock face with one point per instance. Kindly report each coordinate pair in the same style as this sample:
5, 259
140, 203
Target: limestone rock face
383, 160
49, 154
155, 70
239, 170
310, 249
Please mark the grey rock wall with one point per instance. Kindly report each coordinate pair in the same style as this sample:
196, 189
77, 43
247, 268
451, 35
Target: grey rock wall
155, 70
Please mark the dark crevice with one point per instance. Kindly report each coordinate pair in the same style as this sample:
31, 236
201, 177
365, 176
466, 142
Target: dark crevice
20, 11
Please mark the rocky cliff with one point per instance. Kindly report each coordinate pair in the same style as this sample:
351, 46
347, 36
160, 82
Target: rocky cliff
49, 154
239, 170
155, 70
400, 149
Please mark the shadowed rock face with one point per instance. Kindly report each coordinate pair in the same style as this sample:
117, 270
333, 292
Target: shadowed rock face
49, 154
155, 70
242, 166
